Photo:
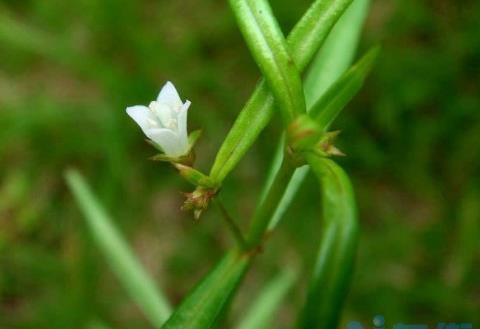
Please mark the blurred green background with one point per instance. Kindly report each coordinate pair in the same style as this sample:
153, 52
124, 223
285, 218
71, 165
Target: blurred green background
68, 69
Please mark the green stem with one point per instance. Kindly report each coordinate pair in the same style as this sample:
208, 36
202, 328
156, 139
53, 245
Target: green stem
267, 208
232, 225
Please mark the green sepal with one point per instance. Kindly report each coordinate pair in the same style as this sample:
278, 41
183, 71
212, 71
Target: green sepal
193, 138
187, 159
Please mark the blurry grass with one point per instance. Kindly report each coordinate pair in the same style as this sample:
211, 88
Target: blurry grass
262, 310
117, 253
67, 71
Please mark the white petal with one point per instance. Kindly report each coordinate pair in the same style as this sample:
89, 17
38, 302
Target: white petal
162, 112
169, 95
168, 141
142, 116
182, 119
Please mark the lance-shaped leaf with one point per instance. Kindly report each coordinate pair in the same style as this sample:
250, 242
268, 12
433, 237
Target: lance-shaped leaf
262, 311
337, 53
333, 268
331, 61
269, 49
326, 109
121, 259
204, 305
303, 42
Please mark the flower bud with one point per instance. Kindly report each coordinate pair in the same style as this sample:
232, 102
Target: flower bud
194, 176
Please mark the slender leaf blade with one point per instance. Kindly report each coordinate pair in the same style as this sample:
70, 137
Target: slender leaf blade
119, 256
263, 308
333, 268
337, 53
326, 109
269, 49
205, 304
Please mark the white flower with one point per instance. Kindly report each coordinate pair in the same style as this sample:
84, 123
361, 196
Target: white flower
164, 121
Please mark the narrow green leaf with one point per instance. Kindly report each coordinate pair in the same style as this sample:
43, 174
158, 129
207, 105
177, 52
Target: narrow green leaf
269, 49
292, 188
263, 308
333, 268
331, 61
326, 109
337, 53
272, 173
121, 259
193, 138
265, 210
250, 122
303, 42
202, 308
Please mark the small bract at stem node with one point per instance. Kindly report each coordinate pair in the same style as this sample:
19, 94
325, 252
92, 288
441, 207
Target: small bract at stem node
198, 200
305, 135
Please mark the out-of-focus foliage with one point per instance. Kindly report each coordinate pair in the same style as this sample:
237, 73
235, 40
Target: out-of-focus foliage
69, 68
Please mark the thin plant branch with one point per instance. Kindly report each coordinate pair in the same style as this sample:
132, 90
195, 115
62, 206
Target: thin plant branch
268, 206
231, 224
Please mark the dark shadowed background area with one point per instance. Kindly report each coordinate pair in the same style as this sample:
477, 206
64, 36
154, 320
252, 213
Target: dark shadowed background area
68, 69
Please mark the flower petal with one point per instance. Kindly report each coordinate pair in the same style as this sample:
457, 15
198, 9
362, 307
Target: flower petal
168, 140
142, 116
169, 96
182, 119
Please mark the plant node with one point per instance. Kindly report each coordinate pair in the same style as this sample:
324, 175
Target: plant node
198, 200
